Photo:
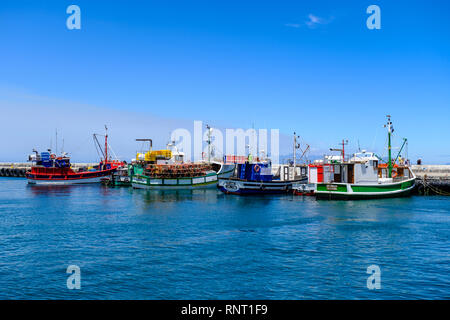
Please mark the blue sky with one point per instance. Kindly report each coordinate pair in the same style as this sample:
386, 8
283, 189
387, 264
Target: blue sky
152, 66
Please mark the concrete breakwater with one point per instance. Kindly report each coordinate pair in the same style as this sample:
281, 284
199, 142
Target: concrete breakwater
432, 179
18, 169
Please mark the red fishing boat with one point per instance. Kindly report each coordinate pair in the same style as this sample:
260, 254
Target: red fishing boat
49, 169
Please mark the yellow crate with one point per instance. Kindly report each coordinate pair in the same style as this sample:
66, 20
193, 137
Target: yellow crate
152, 155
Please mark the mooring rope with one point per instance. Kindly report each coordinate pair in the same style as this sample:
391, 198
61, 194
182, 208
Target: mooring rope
435, 189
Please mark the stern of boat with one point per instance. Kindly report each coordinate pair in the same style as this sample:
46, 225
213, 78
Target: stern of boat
224, 170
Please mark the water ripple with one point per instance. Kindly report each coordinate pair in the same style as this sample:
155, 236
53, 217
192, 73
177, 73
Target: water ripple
202, 244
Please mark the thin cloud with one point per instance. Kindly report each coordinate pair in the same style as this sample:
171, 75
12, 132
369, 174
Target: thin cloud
312, 22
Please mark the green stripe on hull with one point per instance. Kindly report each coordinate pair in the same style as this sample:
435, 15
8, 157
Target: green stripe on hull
352, 191
145, 181
359, 196
381, 188
162, 187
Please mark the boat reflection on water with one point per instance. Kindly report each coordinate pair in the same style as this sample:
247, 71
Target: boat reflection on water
166, 200
50, 190
150, 196
70, 189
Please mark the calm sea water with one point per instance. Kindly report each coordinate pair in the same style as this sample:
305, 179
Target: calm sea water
136, 244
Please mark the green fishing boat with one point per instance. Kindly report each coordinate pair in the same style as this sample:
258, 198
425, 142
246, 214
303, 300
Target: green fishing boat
166, 169
364, 177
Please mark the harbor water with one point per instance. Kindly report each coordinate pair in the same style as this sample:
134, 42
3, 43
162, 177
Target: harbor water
203, 244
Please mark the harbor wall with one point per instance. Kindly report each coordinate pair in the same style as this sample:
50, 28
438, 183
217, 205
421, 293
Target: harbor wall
432, 179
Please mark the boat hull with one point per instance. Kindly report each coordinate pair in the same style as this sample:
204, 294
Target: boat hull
67, 179
140, 181
64, 182
343, 191
144, 182
244, 187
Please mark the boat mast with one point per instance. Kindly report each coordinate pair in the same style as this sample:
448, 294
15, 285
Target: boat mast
294, 149
296, 146
209, 142
344, 143
106, 144
389, 126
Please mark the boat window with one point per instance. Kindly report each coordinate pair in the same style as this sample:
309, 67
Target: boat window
350, 173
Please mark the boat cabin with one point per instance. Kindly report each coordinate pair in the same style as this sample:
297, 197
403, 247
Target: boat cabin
170, 155
261, 171
362, 168
48, 159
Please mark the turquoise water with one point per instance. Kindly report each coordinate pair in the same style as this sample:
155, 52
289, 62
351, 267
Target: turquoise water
136, 244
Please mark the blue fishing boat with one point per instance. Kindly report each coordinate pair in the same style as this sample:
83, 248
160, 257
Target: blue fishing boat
257, 178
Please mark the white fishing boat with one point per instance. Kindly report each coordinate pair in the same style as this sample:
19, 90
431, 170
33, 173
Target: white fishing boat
364, 176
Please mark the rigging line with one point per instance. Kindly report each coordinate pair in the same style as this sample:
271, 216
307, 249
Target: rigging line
407, 151
114, 154
375, 139
384, 149
98, 143
96, 149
